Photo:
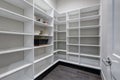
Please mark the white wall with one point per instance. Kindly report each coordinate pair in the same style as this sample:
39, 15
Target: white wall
67, 5
106, 24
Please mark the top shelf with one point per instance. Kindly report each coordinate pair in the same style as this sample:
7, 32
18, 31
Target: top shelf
20, 3
90, 18
43, 9
91, 8
56, 14
12, 15
40, 12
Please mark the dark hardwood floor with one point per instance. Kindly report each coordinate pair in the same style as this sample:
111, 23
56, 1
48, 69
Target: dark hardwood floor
66, 73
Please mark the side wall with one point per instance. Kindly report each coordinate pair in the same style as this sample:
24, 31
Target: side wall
106, 40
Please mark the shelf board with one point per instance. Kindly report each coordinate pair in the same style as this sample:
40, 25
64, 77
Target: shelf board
38, 60
73, 28
84, 36
90, 66
59, 50
59, 22
60, 31
12, 15
76, 63
91, 45
73, 44
74, 20
59, 40
14, 50
41, 46
89, 55
90, 8
16, 69
90, 18
41, 13
42, 24
14, 33
57, 14
89, 27
72, 53
73, 36
20, 3
43, 35
45, 69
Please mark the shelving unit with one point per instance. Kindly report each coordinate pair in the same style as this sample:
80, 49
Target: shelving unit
73, 34
59, 55
16, 40
59, 36
24, 74
90, 37
72, 37
40, 66
82, 36
43, 37
20, 21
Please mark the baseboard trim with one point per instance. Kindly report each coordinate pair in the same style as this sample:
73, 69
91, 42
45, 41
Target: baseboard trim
91, 70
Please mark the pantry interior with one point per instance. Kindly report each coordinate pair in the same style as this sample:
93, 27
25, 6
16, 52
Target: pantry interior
37, 34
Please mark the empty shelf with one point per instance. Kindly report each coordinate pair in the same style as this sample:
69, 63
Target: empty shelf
12, 15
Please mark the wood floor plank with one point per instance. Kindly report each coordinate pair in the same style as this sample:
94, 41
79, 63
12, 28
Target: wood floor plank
66, 73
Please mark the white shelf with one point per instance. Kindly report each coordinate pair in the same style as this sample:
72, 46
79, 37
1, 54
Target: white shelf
74, 20
90, 18
73, 28
73, 53
81, 64
14, 50
14, 33
59, 22
73, 44
90, 36
20, 3
59, 50
59, 40
90, 8
89, 27
42, 24
43, 35
90, 66
73, 36
60, 31
45, 69
36, 61
41, 46
40, 12
12, 15
16, 69
89, 45
89, 55
69, 62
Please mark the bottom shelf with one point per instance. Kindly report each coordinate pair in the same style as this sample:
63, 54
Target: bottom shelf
24, 74
90, 62
73, 58
59, 55
39, 67
90, 66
